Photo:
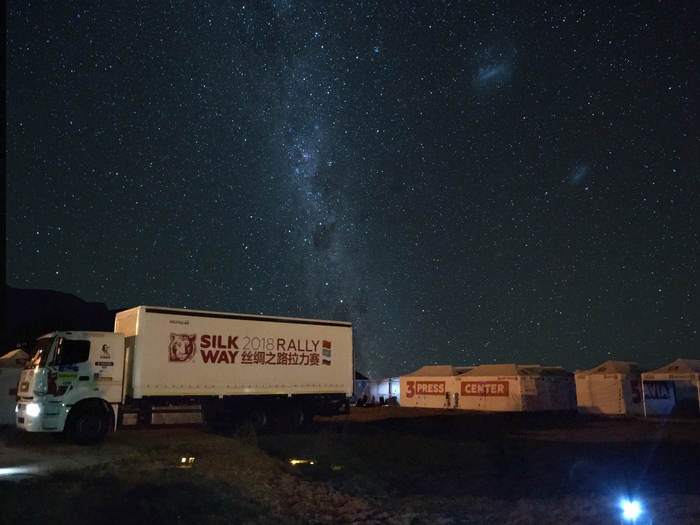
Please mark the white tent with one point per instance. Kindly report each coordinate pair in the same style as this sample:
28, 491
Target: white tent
11, 366
360, 387
613, 387
515, 388
556, 389
430, 387
382, 391
495, 387
372, 392
672, 387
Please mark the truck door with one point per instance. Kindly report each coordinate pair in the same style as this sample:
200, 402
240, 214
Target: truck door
69, 370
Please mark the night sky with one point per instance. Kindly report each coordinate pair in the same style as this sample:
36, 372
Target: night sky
467, 182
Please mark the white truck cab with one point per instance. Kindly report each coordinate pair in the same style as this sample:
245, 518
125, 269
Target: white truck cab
74, 383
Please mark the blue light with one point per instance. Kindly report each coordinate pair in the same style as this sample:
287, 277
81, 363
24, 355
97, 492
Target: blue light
630, 509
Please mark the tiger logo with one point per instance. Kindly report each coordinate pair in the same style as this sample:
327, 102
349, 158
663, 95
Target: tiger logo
182, 347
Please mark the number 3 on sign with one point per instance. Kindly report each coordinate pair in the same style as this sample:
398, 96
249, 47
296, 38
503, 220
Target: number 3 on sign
410, 388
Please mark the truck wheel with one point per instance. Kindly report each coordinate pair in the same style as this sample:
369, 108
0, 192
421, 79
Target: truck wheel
296, 418
87, 425
288, 418
258, 418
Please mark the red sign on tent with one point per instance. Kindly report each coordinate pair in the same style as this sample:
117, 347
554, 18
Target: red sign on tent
485, 388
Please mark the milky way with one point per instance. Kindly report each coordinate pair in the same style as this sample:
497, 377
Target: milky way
467, 183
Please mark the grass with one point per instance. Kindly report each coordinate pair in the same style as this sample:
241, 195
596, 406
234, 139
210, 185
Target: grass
391, 474
158, 497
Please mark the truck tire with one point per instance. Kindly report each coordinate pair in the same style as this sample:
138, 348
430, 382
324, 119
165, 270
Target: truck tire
258, 418
87, 424
296, 418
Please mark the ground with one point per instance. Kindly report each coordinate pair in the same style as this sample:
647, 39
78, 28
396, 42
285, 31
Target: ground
381, 465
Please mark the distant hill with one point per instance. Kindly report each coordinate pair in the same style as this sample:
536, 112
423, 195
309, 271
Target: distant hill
32, 313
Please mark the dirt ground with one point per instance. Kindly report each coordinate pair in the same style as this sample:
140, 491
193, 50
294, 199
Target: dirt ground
380, 465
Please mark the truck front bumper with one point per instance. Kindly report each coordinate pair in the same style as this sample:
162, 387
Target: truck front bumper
35, 416
28, 416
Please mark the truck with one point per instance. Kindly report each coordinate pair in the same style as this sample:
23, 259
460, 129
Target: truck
173, 366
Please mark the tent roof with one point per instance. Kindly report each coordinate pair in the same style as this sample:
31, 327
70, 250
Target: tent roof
435, 371
15, 359
503, 370
614, 367
555, 371
678, 367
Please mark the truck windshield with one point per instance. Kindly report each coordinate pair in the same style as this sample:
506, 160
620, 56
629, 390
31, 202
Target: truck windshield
41, 351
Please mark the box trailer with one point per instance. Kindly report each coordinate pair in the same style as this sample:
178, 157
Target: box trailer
178, 366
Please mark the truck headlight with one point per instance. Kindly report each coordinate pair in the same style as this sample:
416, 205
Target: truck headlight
33, 410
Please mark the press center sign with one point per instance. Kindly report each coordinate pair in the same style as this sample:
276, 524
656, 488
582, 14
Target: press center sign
485, 388
425, 388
